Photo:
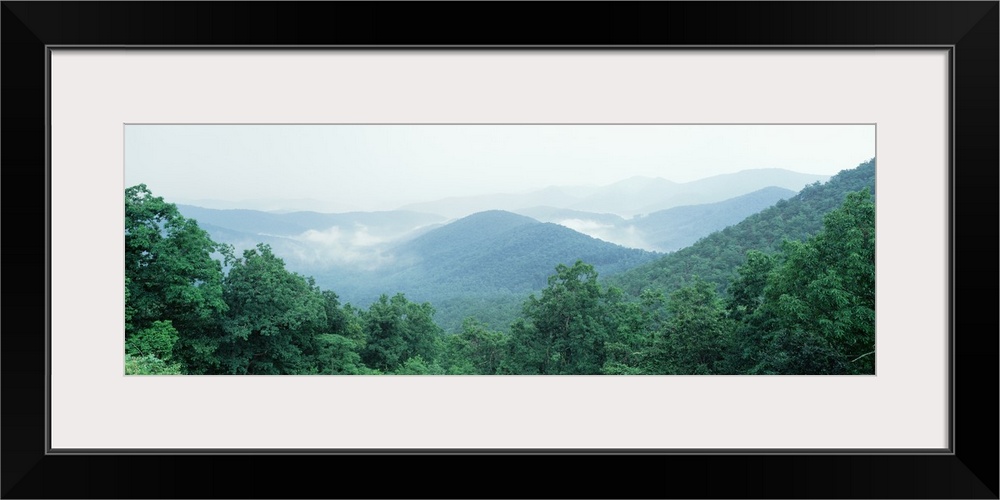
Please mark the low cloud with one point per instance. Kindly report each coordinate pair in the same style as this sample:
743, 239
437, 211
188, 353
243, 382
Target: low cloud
583, 225
337, 246
627, 236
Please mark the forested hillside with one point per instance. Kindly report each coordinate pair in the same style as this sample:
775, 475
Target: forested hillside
626, 198
664, 230
504, 251
715, 258
491, 256
790, 290
482, 266
675, 228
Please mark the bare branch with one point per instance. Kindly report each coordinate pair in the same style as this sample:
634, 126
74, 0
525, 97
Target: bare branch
863, 355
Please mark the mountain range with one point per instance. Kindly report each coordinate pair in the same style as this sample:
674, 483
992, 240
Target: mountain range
664, 230
626, 198
392, 247
716, 257
485, 263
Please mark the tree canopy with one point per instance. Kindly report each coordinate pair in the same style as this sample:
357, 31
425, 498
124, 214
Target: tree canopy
806, 306
171, 275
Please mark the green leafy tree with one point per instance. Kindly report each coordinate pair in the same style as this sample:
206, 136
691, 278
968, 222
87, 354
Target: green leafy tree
383, 326
342, 320
818, 309
171, 275
564, 331
338, 355
636, 327
474, 351
150, 365
697, 333
129, 309
745, 297
272, 319
746, 291
150, 351
397, 330
158, 340
417, 366
454, 359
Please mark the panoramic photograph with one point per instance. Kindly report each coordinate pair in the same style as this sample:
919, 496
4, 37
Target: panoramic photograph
380, 249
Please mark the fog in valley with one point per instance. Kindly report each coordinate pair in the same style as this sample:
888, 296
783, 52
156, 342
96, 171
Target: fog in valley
472, 231
647, 187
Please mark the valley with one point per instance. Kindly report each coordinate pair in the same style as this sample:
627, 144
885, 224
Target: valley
484, 264
499, 250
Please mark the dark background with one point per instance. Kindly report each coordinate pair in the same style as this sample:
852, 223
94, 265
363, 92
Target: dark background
971, 472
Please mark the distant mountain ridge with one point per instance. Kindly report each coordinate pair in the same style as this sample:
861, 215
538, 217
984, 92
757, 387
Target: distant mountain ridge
675, 228
273, 205
487, 262
294, 223
489, 246
626, 198
482, 265
715, 257
364, 254
665, 230
467, 231
493, 251
310, 241
494, 255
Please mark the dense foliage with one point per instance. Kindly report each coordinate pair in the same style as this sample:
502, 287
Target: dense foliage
801, 305
716, 257
485, 265
675, 228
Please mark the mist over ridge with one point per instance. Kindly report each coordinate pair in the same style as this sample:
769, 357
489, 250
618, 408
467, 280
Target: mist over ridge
627, 198
529, 249
489, 259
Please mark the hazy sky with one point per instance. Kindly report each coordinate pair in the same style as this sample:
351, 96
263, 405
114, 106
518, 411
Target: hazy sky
380, 167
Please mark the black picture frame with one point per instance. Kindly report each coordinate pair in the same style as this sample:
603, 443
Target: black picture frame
970, 28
